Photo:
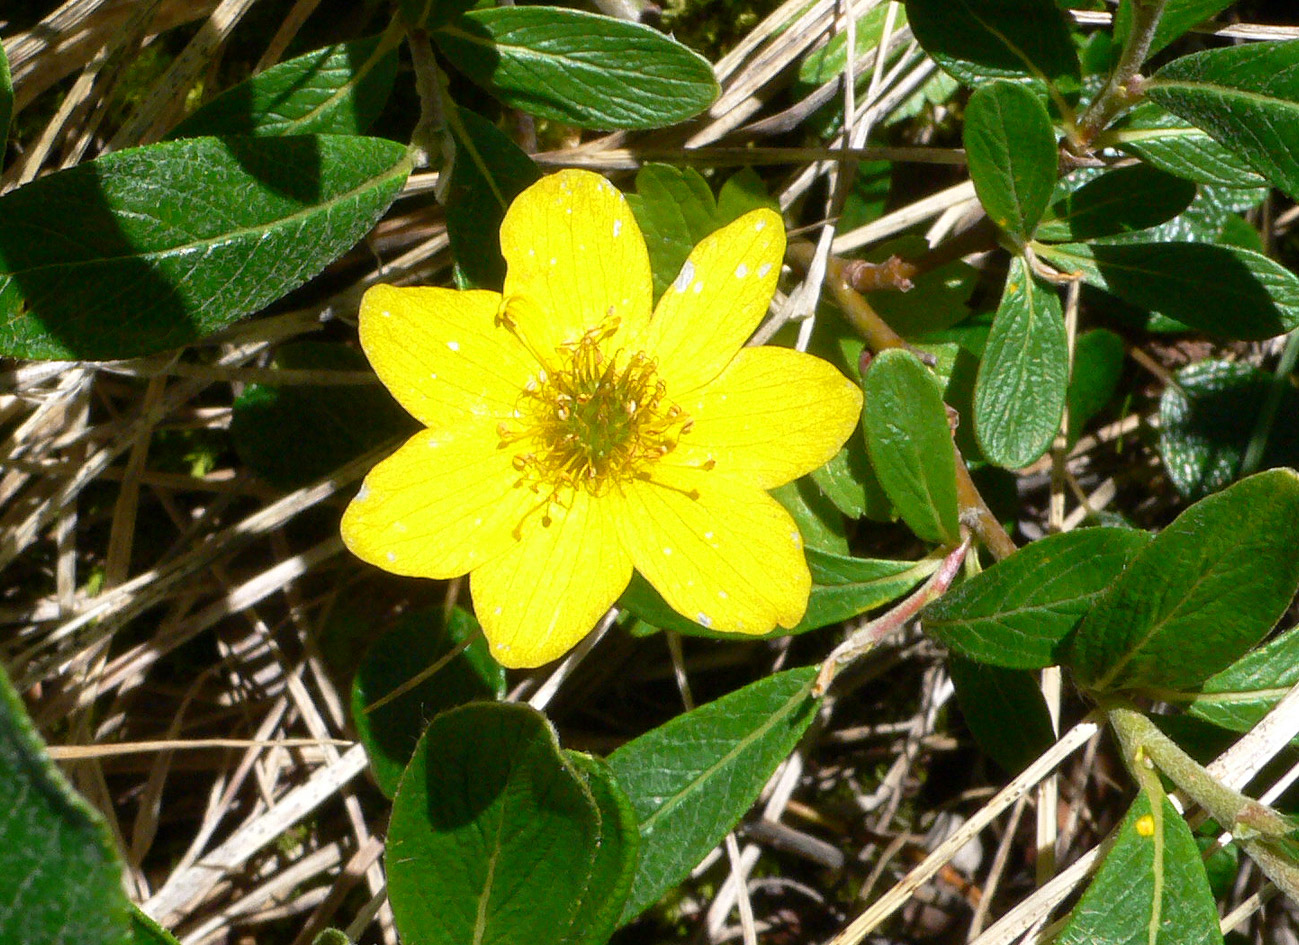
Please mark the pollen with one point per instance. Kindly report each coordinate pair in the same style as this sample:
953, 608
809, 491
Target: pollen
593, 419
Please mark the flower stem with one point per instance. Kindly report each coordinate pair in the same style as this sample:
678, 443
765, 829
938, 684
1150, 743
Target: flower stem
1262, 832
1121, 89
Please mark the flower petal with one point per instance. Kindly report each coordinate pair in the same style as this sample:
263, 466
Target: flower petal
549, 589
443, 504
575, 257
731, 559
441, 353
716, 301
772, 415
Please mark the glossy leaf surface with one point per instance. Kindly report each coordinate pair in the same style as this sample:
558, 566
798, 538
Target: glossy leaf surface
1019, 396
155, 247
1199, 596
489, 171
1175, 146
1124, 200
580, 68
417, 642
1010, 147
1151, 888
1018, 613
692, 778
910, 444
1239, 696
1221, 290
1245, 96
976, 40
490, 814
335, 90
60, 880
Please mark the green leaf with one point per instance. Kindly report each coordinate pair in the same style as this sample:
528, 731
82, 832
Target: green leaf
819, 521
1097, 368
146, 249
6, 103
1151, 889
418, 640
1239, 696
493, 834
1247, 97
1177, 17
1206, 420
842, 588
1019, 396
332, 937
1175, 146
149, 932
828, 62
1010, 146
910, 444
1124, 200
675, 209
975, 40
580, 68
293, 434
1221, 290
614, 868
339, 89
848, 481
1018, 613
430, 14
60, 880
691, 779
1200, 595
989, 696
489, 171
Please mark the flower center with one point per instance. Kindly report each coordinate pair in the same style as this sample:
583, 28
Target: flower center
591, 420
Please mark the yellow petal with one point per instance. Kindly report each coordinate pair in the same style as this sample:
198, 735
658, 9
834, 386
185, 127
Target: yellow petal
731, 559
442, 355
716, 301
575, 257
772, 415
441, 505
549, 589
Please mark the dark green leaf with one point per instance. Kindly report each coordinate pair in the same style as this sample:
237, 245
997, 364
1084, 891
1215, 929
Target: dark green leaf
488, 172
1175, 146
691, 779
615, 859
1245, 96
1151, 888
976, 40
6, 103
150, 248
819, 521
1239, 696
1019, 396
1208, 417
1123, 200
419, 640
1221, 290
430, 14
989, 696
1018, 612
1010, 146
1177, 17
842, 588
60, 880
580, 68
149, 932
1200, 595
294, 434
1097, 367
335, 90
493, 834
828, 62
910, 444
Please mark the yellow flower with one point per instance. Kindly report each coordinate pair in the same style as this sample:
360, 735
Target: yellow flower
574, 433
